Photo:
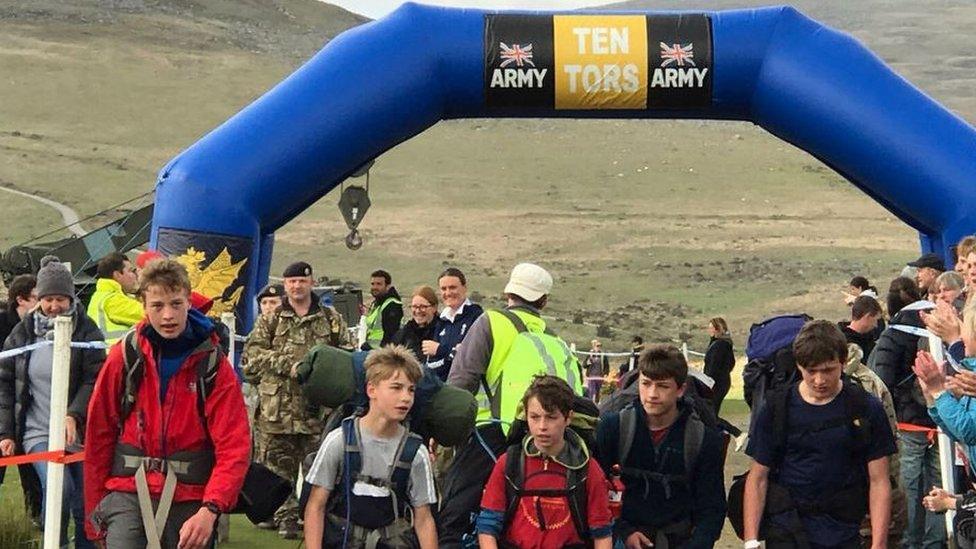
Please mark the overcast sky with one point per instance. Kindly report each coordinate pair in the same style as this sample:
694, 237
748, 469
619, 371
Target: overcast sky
379, 8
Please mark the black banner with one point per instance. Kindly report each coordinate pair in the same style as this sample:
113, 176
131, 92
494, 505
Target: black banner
679, 61
518, 61
598, 61
218, 266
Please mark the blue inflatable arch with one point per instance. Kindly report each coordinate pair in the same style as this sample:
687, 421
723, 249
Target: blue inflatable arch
379, 84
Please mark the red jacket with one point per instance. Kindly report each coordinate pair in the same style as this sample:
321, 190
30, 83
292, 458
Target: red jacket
226, 422
524, 529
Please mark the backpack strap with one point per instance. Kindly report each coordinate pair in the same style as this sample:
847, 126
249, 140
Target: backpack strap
577, 499
400, 472
206, 377
778, 402
514, 481
516, 321
856, 404
628, 429
694, 437
574, 492
133, 370
352, 448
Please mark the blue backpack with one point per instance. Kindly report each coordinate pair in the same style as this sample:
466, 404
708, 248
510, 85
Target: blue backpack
770, 353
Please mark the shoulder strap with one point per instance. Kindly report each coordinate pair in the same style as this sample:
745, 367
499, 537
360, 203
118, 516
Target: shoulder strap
778, 403
628, 428
402, 465
514, 319
856, 405
514, 481
352, 462
577, 499
132, 373
206, 376
694, 436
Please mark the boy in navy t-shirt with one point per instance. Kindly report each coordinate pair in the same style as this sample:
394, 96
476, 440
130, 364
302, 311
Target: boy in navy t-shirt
820, 455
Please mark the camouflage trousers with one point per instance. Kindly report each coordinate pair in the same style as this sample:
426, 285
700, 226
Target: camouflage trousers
283, 454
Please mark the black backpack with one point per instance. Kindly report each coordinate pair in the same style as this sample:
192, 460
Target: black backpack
574, 491
693, 439
849, 504
771, 363
399, 476
134, 369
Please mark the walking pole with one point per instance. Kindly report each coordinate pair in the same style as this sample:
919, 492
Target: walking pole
59, 409
947, 455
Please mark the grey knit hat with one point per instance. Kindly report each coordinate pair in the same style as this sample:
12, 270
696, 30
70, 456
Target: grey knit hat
54, 278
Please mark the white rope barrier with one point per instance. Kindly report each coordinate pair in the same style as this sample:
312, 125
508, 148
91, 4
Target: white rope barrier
601, 353
37, 345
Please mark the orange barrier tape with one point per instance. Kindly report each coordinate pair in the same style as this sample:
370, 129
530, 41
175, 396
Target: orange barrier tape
54, 456
930, 432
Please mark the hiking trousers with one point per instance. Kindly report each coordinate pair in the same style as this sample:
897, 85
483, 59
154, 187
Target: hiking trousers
119, 512
919, 473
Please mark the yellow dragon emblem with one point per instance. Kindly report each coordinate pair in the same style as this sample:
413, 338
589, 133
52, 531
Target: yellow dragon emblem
214, 279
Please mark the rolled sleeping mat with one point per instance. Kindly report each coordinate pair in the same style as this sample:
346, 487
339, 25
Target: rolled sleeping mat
449, 416
333, 377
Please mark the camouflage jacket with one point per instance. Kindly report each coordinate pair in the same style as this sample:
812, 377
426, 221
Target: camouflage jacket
278, 342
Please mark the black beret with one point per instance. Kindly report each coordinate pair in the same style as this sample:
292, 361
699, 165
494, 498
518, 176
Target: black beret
298, 268
271, 290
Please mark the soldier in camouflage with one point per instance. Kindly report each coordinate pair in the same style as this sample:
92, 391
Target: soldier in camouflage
287, 427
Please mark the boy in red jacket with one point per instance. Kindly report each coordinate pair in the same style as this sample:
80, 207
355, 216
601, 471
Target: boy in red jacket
167, 427
546, 492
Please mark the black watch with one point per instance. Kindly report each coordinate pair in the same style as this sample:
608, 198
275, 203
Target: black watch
212, 507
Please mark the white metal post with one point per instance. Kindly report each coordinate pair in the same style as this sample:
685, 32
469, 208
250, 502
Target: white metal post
947, 454
59, 409
228, 320
684, 350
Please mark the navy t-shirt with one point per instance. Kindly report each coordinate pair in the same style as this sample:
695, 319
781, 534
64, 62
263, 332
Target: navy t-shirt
819, 463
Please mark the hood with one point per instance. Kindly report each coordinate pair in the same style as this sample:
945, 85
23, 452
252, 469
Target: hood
574, 454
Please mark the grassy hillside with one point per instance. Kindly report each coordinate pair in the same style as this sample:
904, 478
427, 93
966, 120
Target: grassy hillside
650, 227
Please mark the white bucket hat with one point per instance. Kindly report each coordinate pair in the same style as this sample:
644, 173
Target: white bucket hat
529, 281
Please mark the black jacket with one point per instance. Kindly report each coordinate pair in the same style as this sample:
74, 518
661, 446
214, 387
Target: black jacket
719, 359
865, 341
411, 335
15, 387
8, 319
648, 505
892, 359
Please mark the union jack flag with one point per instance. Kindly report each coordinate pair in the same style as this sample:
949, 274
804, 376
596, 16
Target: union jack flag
518, 54
677, 54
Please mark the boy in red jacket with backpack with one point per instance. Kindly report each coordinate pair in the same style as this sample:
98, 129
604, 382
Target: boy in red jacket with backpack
168, 441
546, 492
